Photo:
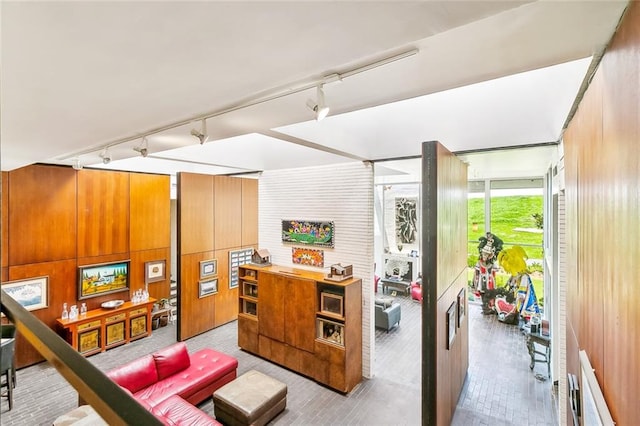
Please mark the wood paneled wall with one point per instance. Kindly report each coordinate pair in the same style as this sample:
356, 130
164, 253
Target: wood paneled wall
602, 167
216, 214
444, 239
55, 219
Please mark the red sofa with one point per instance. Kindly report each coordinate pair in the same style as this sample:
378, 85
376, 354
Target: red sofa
169, 381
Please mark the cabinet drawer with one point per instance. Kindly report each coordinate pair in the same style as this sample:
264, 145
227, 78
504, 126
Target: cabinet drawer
135, 312
114, 318
88, 325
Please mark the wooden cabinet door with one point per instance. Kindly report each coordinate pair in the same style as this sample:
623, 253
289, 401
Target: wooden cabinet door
271, 315
300, 312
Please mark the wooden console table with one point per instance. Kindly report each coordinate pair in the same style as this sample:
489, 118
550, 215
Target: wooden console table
102, 329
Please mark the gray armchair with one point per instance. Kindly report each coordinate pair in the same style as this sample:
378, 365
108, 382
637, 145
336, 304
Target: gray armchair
387, 315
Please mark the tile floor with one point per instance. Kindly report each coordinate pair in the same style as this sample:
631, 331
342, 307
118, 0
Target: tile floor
500, 388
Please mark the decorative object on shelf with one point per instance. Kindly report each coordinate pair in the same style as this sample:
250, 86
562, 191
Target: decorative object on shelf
261, 257
101, 279
112, 304
83, 310
339, 272
451, 324
238, 258
73, 312
32, 293
208, 268
462, 295
332, 304
207, 288
315, 233
155, 271
307, 256
331, 331
65, 311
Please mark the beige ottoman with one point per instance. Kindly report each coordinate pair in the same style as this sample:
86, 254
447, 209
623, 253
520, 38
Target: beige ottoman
251, 399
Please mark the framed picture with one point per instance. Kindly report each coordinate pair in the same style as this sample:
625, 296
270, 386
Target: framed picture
101, 279
237, 258
331, 331
32, 293
331, 304
208, 268
307, 256
314, 233
155, 271
207, 288
451, 324
461, 306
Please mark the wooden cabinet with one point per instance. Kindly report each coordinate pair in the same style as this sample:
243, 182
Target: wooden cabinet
297, 319
102, 329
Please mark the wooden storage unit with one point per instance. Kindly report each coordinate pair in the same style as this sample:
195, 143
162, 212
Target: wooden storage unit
102, 329
298, 319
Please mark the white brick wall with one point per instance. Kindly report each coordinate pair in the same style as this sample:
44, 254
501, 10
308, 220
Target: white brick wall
339, 193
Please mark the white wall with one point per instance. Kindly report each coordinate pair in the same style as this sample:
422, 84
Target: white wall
339, 193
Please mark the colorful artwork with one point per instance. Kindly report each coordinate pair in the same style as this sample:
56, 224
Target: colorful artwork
406, 220
306, 256
96, 280
308, 232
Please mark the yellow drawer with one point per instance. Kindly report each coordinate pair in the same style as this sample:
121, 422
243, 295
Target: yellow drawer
137, 312
118, 317
88, 325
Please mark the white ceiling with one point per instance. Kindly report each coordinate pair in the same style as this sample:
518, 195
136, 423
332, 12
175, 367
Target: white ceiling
79, 76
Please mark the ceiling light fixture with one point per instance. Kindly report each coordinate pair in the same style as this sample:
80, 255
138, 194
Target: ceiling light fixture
319, 106
201, 135
106, 157
76, 164
143, 149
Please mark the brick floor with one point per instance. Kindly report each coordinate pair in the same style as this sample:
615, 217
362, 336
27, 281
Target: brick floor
500, 388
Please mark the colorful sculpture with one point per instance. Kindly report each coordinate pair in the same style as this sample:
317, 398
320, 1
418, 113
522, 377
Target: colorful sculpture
525, 303
484, 279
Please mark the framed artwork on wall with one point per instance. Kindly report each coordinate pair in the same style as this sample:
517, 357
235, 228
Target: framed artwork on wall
237, 258
451, 324
208, 268
313, 233
207, 288
307, 256
155, 271
101, 279
32, 293
461, 306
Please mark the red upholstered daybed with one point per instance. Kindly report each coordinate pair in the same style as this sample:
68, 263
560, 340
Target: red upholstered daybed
169, 381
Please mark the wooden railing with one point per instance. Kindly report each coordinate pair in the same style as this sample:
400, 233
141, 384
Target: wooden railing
113, 404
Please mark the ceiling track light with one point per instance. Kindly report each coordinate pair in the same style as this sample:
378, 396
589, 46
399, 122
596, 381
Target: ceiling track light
201, 134
143, 149
319, 106
106, 157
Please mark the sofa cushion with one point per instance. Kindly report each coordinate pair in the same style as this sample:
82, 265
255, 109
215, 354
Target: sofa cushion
135, 375
171, 360
176, 411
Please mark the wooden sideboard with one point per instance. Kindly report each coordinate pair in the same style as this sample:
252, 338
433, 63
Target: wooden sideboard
301, 320
102, 329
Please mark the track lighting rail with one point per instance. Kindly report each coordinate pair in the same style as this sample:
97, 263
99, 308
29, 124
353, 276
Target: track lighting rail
259, 99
